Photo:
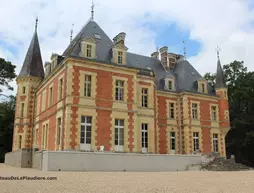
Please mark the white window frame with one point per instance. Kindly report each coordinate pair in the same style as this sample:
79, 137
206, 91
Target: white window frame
144, 93
195, 141
171, 110
170, 85
144, 136
119, 135
59, 129
172, 137
85, 129
88, 85
214, 113
194, 111
89, 50
215, 142
120, 57
119, 90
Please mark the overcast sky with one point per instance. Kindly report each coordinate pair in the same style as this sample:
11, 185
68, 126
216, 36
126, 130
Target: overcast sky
202, 24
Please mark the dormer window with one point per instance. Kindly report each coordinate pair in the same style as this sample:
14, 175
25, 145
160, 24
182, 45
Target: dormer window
170, 85
88, 48
120, 57
202, 86
89, 51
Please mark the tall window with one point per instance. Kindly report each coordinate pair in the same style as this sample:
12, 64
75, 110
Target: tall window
170, 85
202, 87
22, 109
171, 110
120, 57
144, 97
214, 113
144, 137
88, 51
119, 134
172, 140
215, 143
194, 111
60, 89
119, 90
20, 141
195, 141
36, 137
45, 136
226, 115
23, 90
59, 126
86, 129
50, 96
88, 80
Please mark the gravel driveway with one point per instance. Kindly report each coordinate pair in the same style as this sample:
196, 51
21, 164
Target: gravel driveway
111, 182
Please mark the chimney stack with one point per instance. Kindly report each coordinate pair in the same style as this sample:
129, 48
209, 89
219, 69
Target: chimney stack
120, 38
164, 57
155, 55
47, 67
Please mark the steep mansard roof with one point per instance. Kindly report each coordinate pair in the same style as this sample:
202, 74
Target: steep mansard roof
185, 74
32, 65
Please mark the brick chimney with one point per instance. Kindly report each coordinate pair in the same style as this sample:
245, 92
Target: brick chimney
172, 60
164, 57
155, 55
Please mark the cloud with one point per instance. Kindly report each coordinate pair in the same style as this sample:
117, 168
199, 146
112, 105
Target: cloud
228, 24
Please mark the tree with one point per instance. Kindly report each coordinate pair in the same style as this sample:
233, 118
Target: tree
7, 115
240, 83
7, 73
211, 79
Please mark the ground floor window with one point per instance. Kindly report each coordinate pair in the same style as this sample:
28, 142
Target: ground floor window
45, 137
85, 132
20, 141
195, 141
144, 133
119, 134
172, 141
215, 143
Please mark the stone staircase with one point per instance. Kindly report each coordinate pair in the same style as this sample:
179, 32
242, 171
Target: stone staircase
222, 164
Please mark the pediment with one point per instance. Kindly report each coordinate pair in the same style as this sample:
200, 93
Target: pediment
120, 46
89, 39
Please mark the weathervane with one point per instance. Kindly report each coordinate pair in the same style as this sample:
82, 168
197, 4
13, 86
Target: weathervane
92, 11
71, 33
184, 50
218, 52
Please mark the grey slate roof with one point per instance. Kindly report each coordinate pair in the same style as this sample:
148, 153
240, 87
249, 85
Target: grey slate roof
220, 81
184, 73
32, 65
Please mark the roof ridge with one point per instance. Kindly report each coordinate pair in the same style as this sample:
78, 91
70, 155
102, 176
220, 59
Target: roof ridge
143, 55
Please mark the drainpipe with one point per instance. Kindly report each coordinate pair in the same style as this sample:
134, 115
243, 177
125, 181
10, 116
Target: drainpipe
179, 122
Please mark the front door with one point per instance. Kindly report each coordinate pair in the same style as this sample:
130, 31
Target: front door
119, 135
144, 138
85, 133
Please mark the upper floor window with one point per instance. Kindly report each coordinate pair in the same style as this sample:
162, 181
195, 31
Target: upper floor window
202, 87
226, 115
60, 89
50, 96
172, 110
214, 113
120, 57
23, 90
88, 51
119, 95
194, 109
144, 97
88, 80
170, 85
22, 109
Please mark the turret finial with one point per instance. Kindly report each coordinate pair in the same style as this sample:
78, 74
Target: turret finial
36, 23
71, 33
92, 11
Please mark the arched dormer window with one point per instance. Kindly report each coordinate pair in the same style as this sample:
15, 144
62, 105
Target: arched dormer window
88, 48
202, 85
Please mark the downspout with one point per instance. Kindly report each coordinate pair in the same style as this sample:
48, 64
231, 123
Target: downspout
179, 122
